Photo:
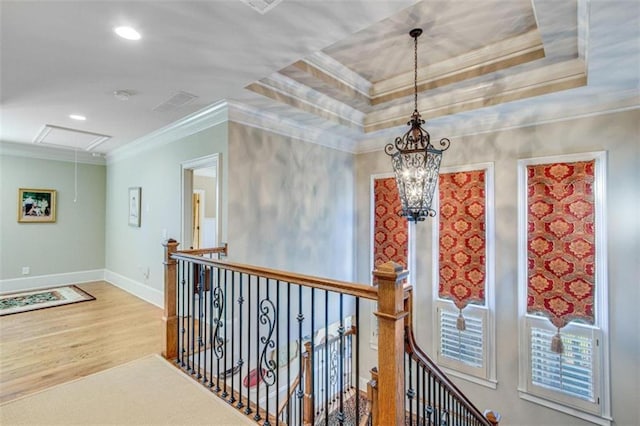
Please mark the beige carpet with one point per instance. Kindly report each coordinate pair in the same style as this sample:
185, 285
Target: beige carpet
148, 391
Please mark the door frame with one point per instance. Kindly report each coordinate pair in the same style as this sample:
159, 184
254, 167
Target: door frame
186, 190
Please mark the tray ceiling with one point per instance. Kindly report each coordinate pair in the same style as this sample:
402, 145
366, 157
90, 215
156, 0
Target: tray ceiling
470, 56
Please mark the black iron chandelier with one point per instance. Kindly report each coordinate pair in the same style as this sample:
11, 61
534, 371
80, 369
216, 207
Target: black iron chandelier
415, 161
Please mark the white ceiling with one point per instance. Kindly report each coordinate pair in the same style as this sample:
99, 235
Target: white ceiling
62, 57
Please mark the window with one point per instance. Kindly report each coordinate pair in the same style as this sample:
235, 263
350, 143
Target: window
562, 284
390, 238
463, 273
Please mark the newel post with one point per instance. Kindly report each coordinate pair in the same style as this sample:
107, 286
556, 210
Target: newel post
169, 319
389, 277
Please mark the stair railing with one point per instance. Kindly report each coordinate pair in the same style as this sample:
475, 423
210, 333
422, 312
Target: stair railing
256, 336
252, 334
421, 393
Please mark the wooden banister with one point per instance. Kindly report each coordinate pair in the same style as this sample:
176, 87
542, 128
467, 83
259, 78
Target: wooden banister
358, 290
213, 250
169, 318
391, 316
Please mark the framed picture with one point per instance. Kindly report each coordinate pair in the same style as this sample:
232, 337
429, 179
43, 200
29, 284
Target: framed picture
36, 205
134, 206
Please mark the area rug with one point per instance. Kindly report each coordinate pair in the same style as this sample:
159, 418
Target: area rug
147, 391
16, 303
349, 410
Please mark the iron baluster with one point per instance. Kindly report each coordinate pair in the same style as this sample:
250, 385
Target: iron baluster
300, 318
240, 339
357, 360
232, 398
341, 416
257, 417
268, 315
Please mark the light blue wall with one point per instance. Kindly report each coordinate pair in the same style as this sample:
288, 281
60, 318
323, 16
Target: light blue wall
75, 242
131, 251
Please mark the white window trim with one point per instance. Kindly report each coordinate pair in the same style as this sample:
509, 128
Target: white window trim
411, 261
602, 381
489, 377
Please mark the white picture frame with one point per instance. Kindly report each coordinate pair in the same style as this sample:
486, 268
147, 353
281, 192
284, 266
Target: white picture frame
134, 206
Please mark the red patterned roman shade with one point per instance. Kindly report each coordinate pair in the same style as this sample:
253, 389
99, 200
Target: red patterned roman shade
390, 230
561, 241
462, 250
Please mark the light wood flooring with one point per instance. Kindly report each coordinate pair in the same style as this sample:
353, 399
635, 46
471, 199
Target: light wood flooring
43, 348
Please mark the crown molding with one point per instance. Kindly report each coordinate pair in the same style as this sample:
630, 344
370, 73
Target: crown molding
586, 105
253, 117
205, 118
287, 90
555, 77
495, 57
42, 152
336, 72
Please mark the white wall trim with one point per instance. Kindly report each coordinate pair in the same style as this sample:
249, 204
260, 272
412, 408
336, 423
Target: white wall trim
339, 72
494, 120
138, 289
489, 372
261, 119
47, 153
602, 379
210, 116
13, 285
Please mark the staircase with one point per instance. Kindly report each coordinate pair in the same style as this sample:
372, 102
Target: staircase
284, 348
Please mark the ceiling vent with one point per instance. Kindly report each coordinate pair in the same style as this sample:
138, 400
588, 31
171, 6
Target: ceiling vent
63, 137
176, 101
262, 6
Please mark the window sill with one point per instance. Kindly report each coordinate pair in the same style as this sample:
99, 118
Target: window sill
593, 418
488, 383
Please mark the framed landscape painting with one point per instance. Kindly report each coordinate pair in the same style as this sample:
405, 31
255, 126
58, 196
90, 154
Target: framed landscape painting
134, 206
36, 205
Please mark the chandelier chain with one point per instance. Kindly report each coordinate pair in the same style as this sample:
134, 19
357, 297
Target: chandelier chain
415, 74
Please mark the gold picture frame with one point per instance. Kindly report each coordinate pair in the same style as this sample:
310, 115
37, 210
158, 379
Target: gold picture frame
36, 205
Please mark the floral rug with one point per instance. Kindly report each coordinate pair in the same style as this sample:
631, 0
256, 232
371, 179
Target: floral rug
39, 299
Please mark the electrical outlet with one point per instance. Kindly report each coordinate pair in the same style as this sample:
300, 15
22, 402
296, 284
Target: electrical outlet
26, 270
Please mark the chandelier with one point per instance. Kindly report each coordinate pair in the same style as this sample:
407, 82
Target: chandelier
415, 161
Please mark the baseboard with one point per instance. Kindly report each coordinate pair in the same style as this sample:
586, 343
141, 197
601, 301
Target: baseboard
138, 289
52, 280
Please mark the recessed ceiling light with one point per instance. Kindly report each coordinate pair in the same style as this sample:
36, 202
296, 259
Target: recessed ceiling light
78, 117
127, 32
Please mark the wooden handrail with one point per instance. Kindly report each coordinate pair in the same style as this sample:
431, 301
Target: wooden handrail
421, 358
344, 287
211, 250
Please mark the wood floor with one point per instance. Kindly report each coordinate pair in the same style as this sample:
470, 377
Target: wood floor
43, 348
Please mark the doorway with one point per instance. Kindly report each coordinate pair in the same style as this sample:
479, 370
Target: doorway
200, 203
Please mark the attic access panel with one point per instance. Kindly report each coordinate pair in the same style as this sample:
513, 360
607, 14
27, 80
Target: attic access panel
64, 137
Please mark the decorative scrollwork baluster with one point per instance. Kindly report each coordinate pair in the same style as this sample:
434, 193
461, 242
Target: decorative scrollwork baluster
218, 304
268, 366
